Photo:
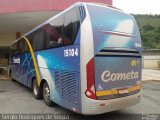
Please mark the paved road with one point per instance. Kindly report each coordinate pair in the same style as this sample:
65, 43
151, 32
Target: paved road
15, 98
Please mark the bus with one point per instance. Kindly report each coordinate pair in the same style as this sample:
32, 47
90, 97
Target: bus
86, 59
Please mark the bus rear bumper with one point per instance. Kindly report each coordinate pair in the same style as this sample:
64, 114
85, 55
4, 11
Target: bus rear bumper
93, 107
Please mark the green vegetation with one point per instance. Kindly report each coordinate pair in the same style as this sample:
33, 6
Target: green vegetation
149, 26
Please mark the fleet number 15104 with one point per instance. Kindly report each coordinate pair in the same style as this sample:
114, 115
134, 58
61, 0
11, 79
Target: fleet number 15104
71, 52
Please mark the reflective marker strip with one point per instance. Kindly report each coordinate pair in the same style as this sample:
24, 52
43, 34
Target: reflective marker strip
106, 92
34, 60
134, 88
112, 92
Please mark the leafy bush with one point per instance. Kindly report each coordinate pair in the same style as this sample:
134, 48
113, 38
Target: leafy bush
149, 26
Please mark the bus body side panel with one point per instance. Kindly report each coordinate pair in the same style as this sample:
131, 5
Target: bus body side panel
87, 53
60, 67
61, 71
22, 68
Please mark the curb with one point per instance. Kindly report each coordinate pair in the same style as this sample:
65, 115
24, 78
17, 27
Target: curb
5, 79
150, 81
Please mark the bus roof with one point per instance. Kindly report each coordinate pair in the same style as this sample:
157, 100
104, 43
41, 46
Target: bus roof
49, 20
61, 13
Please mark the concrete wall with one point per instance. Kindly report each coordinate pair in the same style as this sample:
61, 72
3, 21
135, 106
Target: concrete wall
7, 38
151, 64
151, 59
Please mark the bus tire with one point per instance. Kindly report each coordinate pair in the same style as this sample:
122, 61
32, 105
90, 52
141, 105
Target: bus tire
37, 92
46, 95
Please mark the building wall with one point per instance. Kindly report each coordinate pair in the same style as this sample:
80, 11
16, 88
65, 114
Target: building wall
151, 64
14, 7
10, 6
151, 60
7, 38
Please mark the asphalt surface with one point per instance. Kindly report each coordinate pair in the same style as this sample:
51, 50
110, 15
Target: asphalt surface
18, 99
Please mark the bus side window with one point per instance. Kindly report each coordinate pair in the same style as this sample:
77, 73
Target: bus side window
71, 26
21, 45
38, 40
54, 33
24, 46
30, 38
18, 48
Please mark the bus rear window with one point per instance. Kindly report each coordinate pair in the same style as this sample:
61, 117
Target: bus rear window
109, 19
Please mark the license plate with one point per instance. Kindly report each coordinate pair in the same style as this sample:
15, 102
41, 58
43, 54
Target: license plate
124, 91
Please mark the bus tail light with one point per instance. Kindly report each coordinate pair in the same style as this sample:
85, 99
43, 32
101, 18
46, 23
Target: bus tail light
90, 92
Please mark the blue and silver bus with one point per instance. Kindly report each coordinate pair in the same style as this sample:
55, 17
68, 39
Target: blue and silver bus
86, 59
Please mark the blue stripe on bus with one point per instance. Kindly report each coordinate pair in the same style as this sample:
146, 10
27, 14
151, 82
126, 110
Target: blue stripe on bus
26, 58
82, 13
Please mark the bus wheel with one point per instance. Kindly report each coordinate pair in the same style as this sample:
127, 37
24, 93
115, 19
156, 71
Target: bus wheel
46, 94
36, 90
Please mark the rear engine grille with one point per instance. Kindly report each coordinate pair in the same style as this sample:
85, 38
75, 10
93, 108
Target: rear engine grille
118, 52
57, 81
69, 87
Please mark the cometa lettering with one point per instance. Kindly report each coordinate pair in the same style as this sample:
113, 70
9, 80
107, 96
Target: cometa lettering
16, 60
108, 76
